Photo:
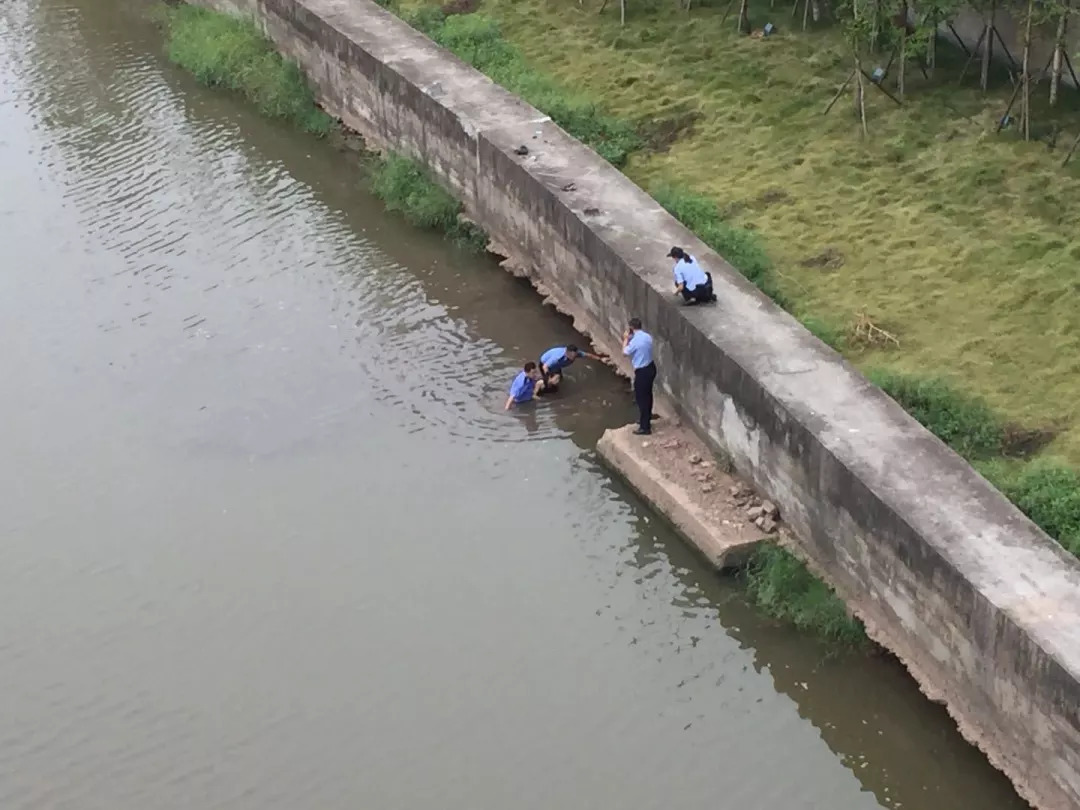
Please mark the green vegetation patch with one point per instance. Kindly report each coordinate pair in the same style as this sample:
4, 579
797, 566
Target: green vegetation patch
1048, 492
781, 586
406, 186
965, 423
222, 51
476, 39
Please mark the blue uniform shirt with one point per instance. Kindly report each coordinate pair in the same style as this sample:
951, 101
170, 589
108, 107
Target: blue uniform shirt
555, 359
522, 388
689, 273
639, 349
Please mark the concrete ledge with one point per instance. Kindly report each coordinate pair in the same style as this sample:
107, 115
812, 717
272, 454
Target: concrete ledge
980, 605
701, 514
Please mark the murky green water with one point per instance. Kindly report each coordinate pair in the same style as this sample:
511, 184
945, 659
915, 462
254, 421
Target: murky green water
269, 541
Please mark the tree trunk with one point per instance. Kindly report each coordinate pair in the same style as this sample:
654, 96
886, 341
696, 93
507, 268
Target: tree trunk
805, 14
1059, 53
743, 23
903, 58
875, 33
1025, 73
860, 94
815, 10
988, 46
931, 47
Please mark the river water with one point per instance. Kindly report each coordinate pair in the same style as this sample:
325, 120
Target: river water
269, 542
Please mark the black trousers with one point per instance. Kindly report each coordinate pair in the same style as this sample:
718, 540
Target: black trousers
702, 293
643, 395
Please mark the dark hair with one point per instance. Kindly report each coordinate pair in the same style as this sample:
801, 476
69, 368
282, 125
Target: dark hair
572, 348
635, 323
530, 366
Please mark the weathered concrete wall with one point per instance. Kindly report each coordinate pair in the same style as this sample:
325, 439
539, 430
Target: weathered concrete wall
981, 606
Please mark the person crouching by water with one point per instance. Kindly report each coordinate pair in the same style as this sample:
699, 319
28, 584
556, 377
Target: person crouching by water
638, 346
691, 281
525, 386
554, 361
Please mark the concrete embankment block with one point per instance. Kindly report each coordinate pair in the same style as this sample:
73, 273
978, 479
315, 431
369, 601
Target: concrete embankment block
669, 471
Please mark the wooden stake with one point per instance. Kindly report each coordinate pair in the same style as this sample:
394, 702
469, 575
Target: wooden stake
839, 92
1072, 149
971, 54
805, 14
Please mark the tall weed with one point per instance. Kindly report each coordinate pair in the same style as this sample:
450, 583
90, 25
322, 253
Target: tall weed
222, 51
782, 586
405, 186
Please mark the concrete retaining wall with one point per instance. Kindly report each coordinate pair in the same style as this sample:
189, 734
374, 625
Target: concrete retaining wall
980, 605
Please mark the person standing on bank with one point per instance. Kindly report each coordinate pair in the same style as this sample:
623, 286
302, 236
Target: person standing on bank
553, 361
691, 281
638, 346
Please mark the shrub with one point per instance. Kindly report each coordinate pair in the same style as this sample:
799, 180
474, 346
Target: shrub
221, 51
782, 586
963, 422
1049, 494
406, 186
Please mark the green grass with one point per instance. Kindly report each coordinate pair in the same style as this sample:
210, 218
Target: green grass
1048, 492
476, 39
405, 186
963, 422
221, 51
782, 587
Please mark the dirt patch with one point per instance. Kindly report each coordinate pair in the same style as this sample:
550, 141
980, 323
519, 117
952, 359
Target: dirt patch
1021, 442
459, 7
773, 196
660, 133
828, 259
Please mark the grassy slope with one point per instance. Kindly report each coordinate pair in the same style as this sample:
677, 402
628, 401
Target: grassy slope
963, 244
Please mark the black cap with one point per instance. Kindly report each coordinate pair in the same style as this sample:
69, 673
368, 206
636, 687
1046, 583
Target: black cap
675, 253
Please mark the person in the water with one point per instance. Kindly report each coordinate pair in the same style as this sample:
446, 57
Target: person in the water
555, 360
525, 386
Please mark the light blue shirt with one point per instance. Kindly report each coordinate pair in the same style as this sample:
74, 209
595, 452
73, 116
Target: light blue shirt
555, 359
689, 273
639, 349
522, 388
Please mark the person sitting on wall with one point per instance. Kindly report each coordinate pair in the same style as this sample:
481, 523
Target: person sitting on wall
555, 360
525, 386
691, 281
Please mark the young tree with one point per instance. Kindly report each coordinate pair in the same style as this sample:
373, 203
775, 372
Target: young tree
1060, 57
